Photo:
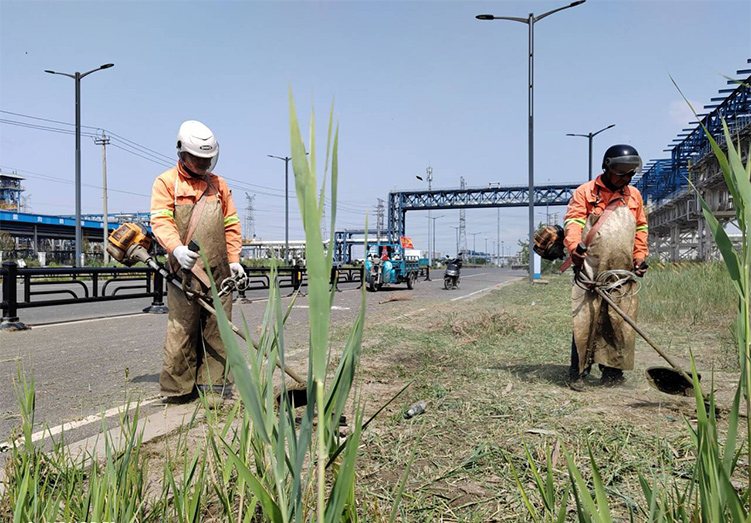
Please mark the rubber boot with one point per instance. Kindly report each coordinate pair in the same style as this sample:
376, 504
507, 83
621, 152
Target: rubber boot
575, 380
611, 377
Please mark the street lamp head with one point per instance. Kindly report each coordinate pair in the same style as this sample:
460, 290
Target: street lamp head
609, 126
419, 178
485, 17
48, 71
578, 2
106, 66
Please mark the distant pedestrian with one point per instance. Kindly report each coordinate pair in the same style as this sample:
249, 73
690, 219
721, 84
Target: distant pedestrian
189, 202
619, 242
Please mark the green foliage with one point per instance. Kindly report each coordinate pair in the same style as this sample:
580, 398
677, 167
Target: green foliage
260, 463
710, 495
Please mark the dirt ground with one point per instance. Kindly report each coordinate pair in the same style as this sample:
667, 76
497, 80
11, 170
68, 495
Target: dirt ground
491, 372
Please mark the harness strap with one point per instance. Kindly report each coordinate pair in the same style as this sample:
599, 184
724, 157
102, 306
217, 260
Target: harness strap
590, 236
195, 219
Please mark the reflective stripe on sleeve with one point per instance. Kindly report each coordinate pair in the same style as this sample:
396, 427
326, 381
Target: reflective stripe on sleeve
162, 212
642, 228
574, 220
229, 220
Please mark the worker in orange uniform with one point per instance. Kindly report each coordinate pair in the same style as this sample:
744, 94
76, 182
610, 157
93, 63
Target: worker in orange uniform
618, 242
189, 202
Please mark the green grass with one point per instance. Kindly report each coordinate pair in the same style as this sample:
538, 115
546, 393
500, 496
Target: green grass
696, 294
492, 369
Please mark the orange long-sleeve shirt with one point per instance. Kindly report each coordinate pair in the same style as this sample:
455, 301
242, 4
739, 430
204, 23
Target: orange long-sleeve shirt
175, 187
585, 200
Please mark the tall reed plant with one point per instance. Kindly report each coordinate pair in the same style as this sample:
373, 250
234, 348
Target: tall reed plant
710, 494
306, 472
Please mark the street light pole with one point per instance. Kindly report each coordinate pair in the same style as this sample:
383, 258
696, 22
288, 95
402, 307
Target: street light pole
474, 244
78, 77
530, 21
456, 231
286, 160
434, 219
589, 136
429, 177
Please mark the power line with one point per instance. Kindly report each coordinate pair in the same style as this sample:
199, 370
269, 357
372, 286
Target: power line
141, 151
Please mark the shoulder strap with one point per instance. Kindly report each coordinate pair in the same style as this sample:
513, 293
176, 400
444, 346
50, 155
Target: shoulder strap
590, 236
195, 218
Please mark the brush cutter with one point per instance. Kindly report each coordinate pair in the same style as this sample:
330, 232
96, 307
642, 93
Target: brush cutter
674, 380
130, 243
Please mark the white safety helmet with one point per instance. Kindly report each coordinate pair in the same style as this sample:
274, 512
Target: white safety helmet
197, 140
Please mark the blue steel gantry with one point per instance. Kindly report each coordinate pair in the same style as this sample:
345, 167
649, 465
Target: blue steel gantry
666, 176
470, 198
677, 229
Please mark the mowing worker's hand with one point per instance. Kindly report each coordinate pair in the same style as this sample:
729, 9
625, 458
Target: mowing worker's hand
237, 270
578, 255
640, 267
185, 257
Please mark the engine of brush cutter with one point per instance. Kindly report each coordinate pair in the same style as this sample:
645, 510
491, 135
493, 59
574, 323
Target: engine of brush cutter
129, 244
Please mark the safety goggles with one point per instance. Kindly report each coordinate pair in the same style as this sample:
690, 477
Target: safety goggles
198, 165
624, 166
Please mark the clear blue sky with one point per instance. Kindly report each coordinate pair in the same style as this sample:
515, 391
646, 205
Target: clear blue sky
414, 83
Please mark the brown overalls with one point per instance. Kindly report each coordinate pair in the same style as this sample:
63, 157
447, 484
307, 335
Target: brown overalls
600, 334
194, 353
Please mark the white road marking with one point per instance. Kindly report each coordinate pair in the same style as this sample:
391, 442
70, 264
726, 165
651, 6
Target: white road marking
473, 275
54, 431
473, 293
90, 320
333, 307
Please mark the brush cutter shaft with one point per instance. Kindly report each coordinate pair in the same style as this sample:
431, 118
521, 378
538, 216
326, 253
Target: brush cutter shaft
641, 333
203, 303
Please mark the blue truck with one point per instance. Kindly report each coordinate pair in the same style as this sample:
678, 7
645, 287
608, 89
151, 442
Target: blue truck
389, 263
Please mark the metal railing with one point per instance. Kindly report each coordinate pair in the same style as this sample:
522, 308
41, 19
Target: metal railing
42, 287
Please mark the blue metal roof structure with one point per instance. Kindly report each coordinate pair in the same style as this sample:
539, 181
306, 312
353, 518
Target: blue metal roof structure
23, 224
665, 177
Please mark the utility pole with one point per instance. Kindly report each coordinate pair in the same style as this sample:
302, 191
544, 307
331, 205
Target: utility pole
462, 220
104, 141
250, 225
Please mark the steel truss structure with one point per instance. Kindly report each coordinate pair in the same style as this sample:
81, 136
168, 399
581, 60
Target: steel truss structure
345, 239
677, 229
470, 198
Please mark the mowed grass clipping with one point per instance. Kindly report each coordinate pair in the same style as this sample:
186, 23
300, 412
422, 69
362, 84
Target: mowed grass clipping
492, 372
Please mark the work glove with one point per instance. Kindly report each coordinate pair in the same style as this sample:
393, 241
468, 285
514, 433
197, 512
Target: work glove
237, 270
578, 255
640, 268
185, 257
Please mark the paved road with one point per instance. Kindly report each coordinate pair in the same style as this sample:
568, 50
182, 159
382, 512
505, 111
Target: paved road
85, 367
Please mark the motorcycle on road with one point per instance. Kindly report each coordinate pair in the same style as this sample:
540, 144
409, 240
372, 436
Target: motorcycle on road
452, 276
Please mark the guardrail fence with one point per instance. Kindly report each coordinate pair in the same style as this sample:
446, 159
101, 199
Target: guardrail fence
43, 286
